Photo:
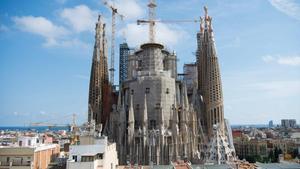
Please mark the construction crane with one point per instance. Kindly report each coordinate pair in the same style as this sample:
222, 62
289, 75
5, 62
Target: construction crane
151, 21
51, 125
113, 32
151, 6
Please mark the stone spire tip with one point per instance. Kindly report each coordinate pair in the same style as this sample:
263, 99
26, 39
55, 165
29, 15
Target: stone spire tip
206, 10
201, 24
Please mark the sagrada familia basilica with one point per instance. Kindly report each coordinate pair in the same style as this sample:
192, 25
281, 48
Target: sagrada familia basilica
152, 118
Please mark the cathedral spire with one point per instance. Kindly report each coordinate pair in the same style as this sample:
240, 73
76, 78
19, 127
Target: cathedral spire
119, 100
130, 128
175, 130
201, 25
209, 78
98, 78
161, 119
184, 104
121, 106
131, 113
145, 115
206, 17
186, 99
175, 115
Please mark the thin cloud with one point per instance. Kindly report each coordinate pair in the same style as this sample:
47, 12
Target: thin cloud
81, 18
268, 58
3, 28
41, 26
277, 88
164, 34
292, 60
54, 35
282, 60
42, 112
20, 113
288, 7
131, 9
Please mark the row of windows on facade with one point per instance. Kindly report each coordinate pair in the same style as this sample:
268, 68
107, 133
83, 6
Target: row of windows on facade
216, 87
215, 75
138, 124
140, 64
214, 97
19, 160
147, 91
216, 93
217, 114
99, 156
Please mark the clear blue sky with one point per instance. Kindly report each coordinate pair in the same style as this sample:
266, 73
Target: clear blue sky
46, 51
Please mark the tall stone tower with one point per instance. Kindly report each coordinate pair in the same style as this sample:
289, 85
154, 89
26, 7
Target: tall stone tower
209, 78
99, 84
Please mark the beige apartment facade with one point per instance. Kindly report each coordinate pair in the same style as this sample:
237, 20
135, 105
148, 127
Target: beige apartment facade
37, 157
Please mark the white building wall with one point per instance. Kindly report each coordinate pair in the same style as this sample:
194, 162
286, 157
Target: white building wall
27, 141
109, 161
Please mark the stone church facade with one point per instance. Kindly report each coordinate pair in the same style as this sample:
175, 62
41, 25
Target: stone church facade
155, 121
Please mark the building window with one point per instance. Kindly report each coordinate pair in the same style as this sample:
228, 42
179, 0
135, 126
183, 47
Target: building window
139, 66
132, 92
167, 91
29, 142
99, 156
215, 116
152, 124
74, 158
20, 143
87, 159
147, 90
136, 124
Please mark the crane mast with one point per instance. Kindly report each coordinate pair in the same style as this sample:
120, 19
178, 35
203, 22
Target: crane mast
114, 11
112, 50
151, 6
151, 20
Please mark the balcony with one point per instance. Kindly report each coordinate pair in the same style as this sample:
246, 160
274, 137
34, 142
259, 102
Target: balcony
14, 165
97, 164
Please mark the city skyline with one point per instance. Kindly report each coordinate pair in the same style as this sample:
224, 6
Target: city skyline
47, 52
